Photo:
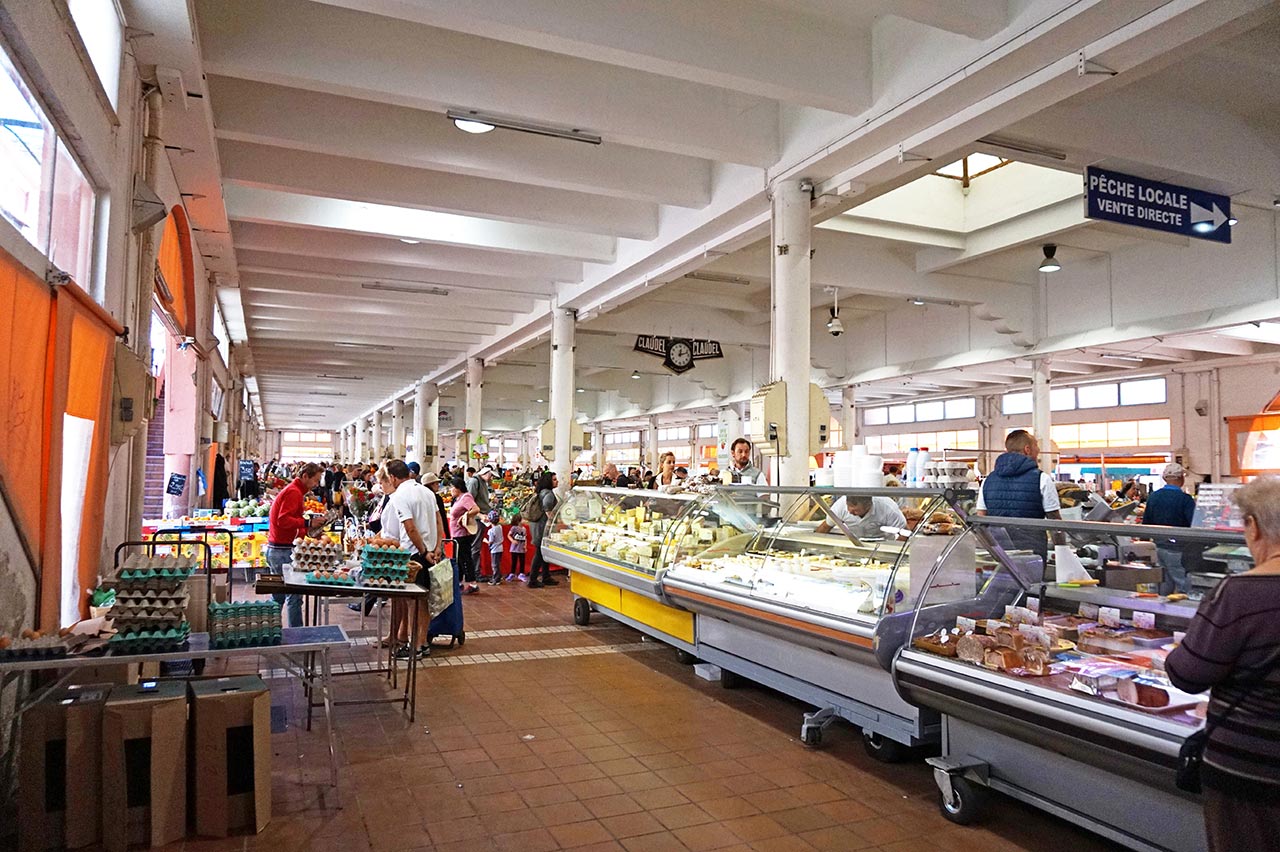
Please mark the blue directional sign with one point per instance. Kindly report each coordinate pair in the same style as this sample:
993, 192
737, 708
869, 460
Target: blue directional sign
1131, 200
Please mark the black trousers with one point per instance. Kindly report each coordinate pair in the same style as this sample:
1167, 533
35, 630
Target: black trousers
517, 563
463, 556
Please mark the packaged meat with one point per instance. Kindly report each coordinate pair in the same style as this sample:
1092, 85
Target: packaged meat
1142, 691
1037, 636
1068, 626
1094, 677
942, 642
1002, 658
1106, 640
973, 648
1021, 615
1035, 661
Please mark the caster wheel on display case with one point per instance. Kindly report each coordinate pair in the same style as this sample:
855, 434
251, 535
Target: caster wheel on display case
685, 658
967, 802
811, 737
730, 680
582, 612
882, 748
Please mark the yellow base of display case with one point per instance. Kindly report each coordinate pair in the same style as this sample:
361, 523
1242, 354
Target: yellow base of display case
662, 618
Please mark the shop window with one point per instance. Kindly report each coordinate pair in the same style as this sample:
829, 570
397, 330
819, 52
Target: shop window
873, 445
1098, 396
875, 416
889, 443
43, 191
1142, 392
926, 411
707, 431
1066, 435
1122, 433
1155, 433
1062, 399
967, 439
1093, 436
961, 409
902, 414
102, 32
1016, 403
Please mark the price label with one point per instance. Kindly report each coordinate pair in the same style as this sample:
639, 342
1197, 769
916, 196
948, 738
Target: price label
1033, 604
1109, 616
1089, 611
1144, 620
967, 625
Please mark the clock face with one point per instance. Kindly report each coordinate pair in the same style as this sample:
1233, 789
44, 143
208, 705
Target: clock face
680, 354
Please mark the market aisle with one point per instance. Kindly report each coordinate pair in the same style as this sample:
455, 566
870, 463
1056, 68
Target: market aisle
593, 738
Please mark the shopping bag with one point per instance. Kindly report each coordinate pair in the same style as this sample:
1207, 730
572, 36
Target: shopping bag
440, 593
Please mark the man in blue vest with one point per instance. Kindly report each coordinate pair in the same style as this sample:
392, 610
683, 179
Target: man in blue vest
1017, 488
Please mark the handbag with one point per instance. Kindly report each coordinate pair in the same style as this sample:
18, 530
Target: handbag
1191, 755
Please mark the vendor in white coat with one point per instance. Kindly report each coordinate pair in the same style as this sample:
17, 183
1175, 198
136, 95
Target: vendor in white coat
864, 516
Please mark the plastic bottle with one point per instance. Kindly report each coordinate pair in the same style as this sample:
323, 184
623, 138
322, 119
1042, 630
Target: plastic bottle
922, 459
910, 473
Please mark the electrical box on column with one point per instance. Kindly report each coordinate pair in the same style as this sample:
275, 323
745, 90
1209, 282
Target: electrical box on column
578, 440
767, 426
819, 419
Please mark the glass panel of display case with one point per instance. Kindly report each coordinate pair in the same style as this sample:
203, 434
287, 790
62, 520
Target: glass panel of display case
1096, 631
623, 526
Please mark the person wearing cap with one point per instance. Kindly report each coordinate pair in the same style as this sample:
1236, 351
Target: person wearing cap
1170, 506
478, 488
415, 470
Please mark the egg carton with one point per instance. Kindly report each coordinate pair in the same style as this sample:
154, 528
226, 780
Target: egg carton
150, 597
330, 580
389, 571
145, 641
384, 582
40, 648
139, 562
252, 640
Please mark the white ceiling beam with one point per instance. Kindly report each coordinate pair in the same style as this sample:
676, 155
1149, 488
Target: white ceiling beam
270, 167
395, 324
767, 51
1049, 221
894, 231
357, 331
977, 19
391, 253
1213, 343
301, 120
440, 307
312, 290
320, 268
264, 205
296, 43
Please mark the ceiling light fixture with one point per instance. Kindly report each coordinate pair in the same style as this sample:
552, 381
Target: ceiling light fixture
396, 288
1132, 359
582, 390
347, 345
409, 241
635, 374
917, 301
718, 277
1233, 221
539, 400
1050, 263
342, 378
473, 121
326, 393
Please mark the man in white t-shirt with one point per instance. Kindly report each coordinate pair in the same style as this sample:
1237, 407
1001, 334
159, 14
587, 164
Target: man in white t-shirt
421, 529
864, 516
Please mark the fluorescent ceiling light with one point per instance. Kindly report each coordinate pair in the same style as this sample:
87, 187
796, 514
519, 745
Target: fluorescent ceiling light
409, 241
364, 345
539, 400
1111, 356
473, 121
582, 390
398, 288
718, 276
343, 378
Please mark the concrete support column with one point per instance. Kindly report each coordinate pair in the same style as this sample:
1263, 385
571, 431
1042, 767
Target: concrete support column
397, 428
651, 443
426, 424
792, 303
377, 442
849, 416
563, 348
473, 408
359, 439
1041, 417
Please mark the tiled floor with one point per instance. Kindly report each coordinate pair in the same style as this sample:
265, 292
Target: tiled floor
539, 735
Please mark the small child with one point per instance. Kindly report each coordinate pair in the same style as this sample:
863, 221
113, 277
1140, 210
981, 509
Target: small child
494, 538
518, 536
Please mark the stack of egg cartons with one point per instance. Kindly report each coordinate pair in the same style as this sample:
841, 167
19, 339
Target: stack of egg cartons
151, 602
384, 566
241, 624
318, 560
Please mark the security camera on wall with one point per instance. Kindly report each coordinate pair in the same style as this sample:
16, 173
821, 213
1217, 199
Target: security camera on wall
1202, 407
834, 325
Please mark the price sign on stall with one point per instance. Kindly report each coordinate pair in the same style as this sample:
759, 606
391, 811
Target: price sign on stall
177, 484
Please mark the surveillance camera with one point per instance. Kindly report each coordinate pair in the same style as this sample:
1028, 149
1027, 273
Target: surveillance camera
1202, 407
836, 327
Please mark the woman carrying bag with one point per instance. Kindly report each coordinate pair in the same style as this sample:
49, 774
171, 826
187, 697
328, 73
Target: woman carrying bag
1232, 646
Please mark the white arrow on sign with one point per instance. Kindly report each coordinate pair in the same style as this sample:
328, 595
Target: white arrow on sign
1200, 214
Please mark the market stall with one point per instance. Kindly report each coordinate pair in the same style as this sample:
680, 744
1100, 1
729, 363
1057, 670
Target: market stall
794, 590
613, 542
1053, 692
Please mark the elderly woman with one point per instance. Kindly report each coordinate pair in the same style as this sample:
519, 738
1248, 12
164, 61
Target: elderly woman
1231, 647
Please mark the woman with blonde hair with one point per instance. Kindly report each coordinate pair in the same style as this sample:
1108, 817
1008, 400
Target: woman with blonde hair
666, 479
1231, 648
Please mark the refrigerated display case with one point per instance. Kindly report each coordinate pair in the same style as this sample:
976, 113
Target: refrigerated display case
800, 589
614, 541
1053, 691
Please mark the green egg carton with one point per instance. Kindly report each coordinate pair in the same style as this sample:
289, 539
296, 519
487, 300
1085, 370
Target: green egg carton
178, 573
330, 581
145, 641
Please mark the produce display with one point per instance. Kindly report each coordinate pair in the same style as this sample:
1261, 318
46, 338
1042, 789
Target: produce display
1115, 662
241, 624
151, 596
253, 508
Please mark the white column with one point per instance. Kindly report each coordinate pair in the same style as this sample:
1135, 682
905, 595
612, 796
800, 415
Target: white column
849, 416
1041, 419
792, 300
563, 328
360, 440
472, 418
397, 428
376, 443
651, 443
426, 422
342, 445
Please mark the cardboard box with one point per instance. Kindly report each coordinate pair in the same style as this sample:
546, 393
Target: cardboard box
60, 769
198, 600
230, 754
1130, 576
144, 764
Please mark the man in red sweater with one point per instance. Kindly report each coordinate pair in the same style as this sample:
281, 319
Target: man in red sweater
288, 523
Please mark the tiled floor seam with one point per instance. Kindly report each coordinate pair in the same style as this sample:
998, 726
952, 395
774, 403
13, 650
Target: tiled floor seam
501, 657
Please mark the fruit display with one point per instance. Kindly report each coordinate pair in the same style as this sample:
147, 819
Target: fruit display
242, 624
313, 505
151, 599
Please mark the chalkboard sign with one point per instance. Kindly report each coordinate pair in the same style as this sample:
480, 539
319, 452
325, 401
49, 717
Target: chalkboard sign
177, 484
246, 469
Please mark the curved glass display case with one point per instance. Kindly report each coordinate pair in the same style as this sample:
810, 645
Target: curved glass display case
1053, 690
